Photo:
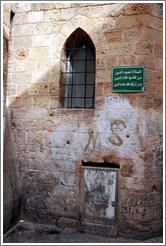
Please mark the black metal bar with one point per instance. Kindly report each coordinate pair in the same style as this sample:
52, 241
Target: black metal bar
93, 101
80, 60
70, 73
76, 84
77, 72
72, 69
78, 49
85, 72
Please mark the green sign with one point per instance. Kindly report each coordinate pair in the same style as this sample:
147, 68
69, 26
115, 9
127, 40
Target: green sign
128, 79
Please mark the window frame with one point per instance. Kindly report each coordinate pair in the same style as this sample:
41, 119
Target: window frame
71, 81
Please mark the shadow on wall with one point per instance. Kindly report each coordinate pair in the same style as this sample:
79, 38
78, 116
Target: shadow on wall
11, 182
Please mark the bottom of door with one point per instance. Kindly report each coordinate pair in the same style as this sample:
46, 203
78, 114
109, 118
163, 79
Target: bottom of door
98, 229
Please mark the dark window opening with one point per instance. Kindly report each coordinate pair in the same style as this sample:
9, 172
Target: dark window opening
102, 164
12, 14
79, 75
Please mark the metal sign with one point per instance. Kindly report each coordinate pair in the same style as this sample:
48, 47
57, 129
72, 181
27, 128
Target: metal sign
128, 79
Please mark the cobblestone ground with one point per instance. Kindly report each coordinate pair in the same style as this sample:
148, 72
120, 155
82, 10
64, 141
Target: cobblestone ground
30, 233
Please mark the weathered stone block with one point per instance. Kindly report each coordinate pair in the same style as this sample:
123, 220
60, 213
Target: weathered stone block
43, 89
127, 168
22, 90
6, 32
39, 77
103, 76
159, 50
127, 60
55, 50
23, 30
146, 34
11, 90
27, 102
113, 36
136, 8
67, 29
100, 63
145, 102
67, 222
5, 46
39, 53
5, 63
52, 15
158, 37
41, 40
22, 42
26, 65
40, 101
85, 23
149, 88
54, 89
158, 90
6, 16
102, 49
158, 77
136, 184
62, 5
14, 102
42, 28
99, 90
159, 64
150, 21
126, 22
112, 10
34, 89
107, 88
120, 49
20, 18
131, 35
22, 54
22, 77
106, 26
144, 48
42, 6
147, 61
54, 102
43, 64
22, 7
95, 12
7, 6
54, 76
157, 9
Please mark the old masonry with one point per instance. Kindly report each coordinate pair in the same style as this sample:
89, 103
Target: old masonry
83, 103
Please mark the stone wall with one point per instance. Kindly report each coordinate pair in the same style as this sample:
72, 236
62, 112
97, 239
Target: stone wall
125, 128
11, 184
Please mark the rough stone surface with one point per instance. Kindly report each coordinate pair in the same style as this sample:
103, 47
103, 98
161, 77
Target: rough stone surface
29, 233
124, 129
11, 184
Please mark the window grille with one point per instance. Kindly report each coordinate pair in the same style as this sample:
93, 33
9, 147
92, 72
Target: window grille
79, 74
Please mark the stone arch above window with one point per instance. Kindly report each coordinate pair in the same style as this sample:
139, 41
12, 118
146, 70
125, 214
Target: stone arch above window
78, 71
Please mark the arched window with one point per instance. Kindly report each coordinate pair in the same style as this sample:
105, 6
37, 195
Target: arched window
79, 76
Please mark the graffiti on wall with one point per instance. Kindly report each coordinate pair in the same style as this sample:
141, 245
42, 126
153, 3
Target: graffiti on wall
95, 137
113, 124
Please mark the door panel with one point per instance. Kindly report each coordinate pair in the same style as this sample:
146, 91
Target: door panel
98, 194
